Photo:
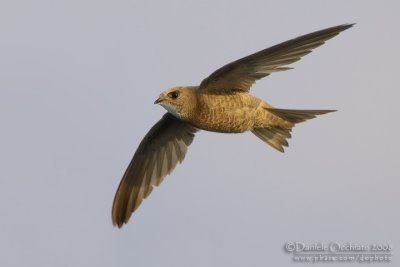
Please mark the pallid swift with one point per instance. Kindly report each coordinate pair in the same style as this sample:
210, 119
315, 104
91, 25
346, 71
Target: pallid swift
221, 103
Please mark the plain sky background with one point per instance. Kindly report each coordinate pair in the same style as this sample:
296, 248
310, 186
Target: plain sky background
77, 84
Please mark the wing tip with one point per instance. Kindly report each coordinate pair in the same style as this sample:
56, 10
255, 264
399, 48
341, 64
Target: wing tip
345, 26
118, 224
117, 221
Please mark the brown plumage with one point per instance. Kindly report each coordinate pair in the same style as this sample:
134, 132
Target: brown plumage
221, 103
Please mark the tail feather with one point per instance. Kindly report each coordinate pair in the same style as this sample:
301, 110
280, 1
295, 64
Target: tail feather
276, 135
297, 115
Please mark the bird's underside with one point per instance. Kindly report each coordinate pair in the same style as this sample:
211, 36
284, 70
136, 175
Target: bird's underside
221, 103
241, 112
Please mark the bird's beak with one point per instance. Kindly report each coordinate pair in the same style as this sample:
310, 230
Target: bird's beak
158, 100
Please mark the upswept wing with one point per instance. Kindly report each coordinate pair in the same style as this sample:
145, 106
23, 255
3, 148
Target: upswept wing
241, 74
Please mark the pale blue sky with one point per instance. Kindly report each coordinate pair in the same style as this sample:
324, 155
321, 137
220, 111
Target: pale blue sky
77, 84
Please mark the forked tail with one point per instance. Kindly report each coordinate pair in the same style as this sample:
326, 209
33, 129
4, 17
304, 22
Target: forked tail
276, 135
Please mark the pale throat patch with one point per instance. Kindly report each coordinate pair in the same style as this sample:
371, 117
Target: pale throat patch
171, 110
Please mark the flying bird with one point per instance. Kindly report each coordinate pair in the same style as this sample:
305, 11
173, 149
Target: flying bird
221, 103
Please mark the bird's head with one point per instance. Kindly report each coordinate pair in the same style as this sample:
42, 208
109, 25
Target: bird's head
179, 101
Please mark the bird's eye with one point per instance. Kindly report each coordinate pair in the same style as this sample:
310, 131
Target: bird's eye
174, 94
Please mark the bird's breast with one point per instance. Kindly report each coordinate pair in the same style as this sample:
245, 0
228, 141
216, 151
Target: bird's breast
226, 113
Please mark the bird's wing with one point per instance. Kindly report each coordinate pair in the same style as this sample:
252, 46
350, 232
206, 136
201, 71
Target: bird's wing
157, 155
238, 76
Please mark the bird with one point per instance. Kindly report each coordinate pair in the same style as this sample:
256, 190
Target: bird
221, 103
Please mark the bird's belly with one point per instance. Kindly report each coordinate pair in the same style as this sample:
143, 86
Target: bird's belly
225, 120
